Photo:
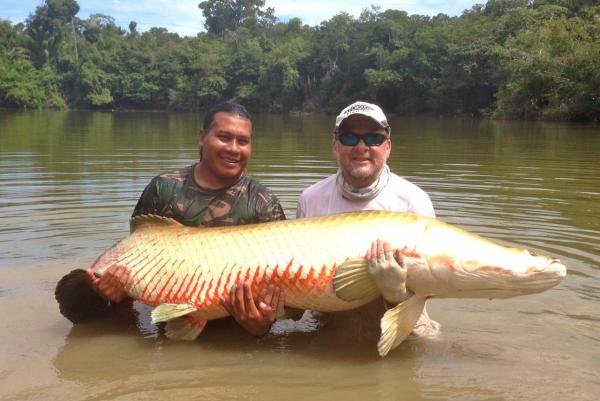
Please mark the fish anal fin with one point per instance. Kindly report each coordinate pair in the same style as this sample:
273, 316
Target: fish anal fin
166, 312
184, 328
151, 220
352, 280
398, 322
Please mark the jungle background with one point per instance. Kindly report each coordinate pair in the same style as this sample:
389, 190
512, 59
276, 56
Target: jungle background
513, 59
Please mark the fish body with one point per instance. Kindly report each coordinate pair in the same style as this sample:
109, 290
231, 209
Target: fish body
319, 263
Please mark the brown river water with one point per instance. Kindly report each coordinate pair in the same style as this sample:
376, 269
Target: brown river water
68, 184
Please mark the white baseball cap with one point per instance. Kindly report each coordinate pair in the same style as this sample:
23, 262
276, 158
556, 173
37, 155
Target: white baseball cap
370, 110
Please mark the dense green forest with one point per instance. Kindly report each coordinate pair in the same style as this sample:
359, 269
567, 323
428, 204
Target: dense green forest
519, 59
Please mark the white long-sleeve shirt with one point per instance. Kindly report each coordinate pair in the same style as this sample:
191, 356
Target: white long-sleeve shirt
399, 195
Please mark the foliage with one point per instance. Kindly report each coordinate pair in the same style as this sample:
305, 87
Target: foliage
228, 15
526, 59
552, 72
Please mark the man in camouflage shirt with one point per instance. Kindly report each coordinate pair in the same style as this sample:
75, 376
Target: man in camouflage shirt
177, 195
213, 192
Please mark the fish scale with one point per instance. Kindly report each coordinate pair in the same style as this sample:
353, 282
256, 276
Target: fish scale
319, 264
219, 261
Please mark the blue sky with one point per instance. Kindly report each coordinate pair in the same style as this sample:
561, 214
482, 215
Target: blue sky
185, 18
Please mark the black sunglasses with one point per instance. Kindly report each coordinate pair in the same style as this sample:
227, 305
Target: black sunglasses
370, 139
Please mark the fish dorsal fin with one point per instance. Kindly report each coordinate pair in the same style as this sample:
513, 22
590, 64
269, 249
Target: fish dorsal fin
352, 280
151, 220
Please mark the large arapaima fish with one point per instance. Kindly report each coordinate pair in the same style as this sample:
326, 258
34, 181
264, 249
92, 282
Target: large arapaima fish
318, 262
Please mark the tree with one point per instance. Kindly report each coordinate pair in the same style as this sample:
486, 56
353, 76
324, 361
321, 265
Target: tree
551, 73
133, 28
532, 59
497, 8
47, 28
223, 15
95, 24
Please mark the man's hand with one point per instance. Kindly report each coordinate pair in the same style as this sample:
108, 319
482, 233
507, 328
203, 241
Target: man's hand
254, 315
384, 269
112, 284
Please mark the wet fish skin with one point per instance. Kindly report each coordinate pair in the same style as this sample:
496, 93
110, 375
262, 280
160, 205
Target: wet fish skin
320, 265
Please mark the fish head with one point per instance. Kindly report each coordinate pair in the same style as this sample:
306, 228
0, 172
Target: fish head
508, 273
465, 265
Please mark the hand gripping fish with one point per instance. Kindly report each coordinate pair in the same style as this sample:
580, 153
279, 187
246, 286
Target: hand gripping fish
318, 262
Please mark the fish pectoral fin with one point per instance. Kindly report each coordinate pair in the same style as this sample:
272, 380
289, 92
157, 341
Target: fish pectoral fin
184, 328
398, 322
166, 312
352, 280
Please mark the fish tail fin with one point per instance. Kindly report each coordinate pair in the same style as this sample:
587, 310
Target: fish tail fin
77, 300
184, 328
352, 280
398, 322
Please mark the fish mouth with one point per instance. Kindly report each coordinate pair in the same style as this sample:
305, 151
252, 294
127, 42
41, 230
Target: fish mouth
545, 278
554, 268
557, 268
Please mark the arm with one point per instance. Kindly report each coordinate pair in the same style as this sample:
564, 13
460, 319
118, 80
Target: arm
257, 312
81, 295
388, 274
385, 268
254, 314
274, 211
148, 201
112, 284
271, 210
301, 207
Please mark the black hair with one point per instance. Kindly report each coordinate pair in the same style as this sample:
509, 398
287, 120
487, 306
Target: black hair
77, 301
225, 107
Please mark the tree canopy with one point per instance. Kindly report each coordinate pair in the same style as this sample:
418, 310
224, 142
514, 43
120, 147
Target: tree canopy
221, 16
525, 59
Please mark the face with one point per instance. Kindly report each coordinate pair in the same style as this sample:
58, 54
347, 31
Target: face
226, 148
361, 164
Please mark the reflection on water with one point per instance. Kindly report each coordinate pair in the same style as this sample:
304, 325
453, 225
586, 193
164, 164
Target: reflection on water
69, 181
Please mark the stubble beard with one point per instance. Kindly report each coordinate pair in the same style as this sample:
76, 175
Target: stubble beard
365, 175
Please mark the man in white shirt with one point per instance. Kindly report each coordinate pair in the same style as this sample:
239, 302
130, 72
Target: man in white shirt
361, 146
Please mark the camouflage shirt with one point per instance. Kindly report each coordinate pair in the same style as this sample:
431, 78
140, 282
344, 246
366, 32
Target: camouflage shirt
177, 195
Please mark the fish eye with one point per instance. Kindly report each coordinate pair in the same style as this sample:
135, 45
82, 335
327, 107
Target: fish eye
532, 253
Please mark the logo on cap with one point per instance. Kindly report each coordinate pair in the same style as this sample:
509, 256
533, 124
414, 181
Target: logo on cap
358, 107
372, 111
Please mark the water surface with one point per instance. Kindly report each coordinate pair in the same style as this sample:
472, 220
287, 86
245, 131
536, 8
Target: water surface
68, 184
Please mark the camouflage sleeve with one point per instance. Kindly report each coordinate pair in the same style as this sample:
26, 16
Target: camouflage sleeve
269, 208
148, 201
273, 211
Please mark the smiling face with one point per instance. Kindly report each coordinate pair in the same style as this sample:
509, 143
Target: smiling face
361, 164
226, 148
